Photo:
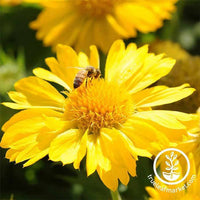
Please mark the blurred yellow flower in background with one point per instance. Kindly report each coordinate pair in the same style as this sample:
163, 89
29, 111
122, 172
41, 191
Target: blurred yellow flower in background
171, 49
110, 120
190, 193
81, 23
186, 69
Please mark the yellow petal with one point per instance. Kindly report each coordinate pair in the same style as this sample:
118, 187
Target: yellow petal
83, 60
27, 153
39, 156
11, 154
65, 146
117, 27
108, 178
160, 95
54, 126
129, 64
49, 76
169, 119
115, 55
86, 37
95, 155
35, 92
136, 130
82, 150
59, 33
24, 127
133, 149
153, 68
131, 13
23, 142
135, 68
30, 113
91, 160
153, 193
66, 66
94, 57
121, 152
20, 130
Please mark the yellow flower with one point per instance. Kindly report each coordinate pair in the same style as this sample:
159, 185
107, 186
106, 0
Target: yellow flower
171, 49
110, 120
82, 23
186, 69
190, 193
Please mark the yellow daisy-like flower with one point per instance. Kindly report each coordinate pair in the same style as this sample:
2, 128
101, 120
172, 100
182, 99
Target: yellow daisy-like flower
191, 191
107, 120
171, 49
82, 23
187, 68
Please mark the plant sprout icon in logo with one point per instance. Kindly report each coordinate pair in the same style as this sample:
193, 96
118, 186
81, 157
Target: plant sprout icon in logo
172, 166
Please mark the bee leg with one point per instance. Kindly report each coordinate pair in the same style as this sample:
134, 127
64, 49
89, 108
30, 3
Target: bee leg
91, 79
86, 82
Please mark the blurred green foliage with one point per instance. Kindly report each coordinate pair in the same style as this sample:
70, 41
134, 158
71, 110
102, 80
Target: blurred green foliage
20, 52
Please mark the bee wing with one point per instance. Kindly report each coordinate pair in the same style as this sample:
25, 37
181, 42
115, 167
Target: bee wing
77, 67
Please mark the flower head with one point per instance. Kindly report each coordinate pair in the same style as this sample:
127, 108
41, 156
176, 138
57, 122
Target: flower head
109, 120
86, 22
187, 68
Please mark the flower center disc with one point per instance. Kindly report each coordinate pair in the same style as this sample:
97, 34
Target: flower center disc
97, 105
95, 7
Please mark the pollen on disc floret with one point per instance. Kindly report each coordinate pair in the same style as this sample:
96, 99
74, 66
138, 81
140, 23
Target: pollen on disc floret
97, 105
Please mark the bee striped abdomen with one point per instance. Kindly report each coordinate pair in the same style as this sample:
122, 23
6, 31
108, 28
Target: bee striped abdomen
79, 79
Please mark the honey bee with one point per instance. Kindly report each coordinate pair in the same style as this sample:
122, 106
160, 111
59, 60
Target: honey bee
88, 72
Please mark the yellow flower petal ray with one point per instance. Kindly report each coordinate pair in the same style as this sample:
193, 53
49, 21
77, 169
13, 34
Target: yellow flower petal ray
49, 76
29, 133
160, 95
95, 155
140, 69
122, 161
169, 119
131, 14
140, 132
26, 114
99, 33
59, 30
65, 146
35, 92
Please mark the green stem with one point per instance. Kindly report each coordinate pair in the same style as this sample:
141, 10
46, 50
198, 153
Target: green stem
115, 195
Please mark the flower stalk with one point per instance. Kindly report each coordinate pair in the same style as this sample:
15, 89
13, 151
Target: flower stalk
115, 195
